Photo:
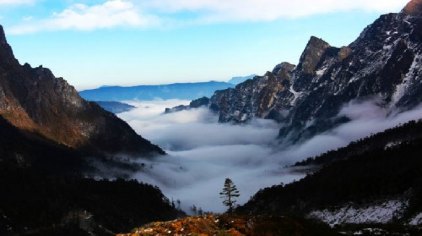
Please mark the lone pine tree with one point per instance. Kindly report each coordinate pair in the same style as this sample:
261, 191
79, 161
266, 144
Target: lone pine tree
229, 194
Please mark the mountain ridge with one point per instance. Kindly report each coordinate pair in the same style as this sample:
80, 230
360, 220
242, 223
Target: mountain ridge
365, 179
186, 91
34, 100
384, 62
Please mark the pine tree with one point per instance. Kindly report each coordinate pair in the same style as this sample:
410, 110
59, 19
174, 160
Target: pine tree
229, 194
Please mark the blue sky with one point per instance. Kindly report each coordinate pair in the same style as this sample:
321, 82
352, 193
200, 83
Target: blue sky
121, 42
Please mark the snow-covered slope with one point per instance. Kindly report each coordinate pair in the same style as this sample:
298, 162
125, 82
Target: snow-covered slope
377, 213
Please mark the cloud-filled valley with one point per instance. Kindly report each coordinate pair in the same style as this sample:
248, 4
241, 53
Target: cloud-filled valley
203, 152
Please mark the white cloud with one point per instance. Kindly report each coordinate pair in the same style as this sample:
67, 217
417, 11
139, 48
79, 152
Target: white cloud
267, 10
150, 13
111, 13
202, 153
16, 2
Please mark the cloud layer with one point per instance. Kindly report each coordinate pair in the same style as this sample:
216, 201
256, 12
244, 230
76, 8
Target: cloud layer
116, 13
159, 13
264, 10
202, 152
15, 2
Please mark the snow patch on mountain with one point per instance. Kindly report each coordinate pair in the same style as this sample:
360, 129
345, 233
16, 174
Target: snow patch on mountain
402, 88
296, 95
382, 213
417, 220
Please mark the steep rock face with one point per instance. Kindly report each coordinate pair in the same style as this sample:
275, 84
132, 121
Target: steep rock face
115, 107
258, 97
384, 62
312, 55
34, 100
197, 103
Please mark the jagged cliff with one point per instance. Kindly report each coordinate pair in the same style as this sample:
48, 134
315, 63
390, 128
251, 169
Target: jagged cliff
34, 100
384, 62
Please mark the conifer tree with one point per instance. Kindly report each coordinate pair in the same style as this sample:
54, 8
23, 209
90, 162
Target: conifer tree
229, 194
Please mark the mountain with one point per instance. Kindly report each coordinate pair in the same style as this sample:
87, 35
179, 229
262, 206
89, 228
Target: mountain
389, 138
40, 203
29, 150
187, 91
34, 100
115, 107
384, 62
375, 184
51, 143
240, 79
197, 103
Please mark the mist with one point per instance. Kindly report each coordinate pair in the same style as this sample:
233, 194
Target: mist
203, 152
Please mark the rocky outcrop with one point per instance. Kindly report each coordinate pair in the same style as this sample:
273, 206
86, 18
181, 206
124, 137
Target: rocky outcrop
384, 62
414, 7
34, 100
265, 97
233, 225
312, 55
197, 103
115, 107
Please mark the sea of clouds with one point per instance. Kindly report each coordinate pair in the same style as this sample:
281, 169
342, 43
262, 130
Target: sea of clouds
203, 152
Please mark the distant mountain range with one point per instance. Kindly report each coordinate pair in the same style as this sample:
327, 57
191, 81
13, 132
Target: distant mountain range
185, 91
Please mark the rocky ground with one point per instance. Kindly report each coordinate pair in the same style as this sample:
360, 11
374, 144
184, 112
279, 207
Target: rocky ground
233, 225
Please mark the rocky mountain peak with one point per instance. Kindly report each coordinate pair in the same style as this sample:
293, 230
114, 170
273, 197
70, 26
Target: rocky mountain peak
35, 101
2, 35
6, 53
312, 55
283, 69
413, 8
384, 61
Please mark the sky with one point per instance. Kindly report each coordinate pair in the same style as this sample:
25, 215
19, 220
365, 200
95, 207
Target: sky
132, 42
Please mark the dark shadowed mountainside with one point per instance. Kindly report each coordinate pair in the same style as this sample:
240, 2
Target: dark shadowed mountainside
368, 172
50, 138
